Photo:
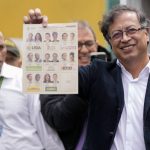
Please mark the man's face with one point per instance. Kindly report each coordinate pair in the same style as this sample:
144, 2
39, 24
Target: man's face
86, 45
3, 50
130, 46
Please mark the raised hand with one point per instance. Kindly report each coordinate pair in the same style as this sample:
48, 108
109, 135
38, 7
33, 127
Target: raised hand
35, 17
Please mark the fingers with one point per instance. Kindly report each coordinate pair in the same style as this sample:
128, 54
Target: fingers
26, 20
45, 21
35, 17
32, 16
37, 12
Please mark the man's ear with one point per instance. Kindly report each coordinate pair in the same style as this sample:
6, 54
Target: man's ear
148, 39
20, 63
148, 34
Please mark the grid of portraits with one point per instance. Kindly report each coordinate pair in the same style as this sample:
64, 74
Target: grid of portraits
49, 53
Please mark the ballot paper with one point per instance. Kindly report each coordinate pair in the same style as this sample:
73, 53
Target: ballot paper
50, 58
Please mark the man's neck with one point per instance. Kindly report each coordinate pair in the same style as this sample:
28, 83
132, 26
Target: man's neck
135, 67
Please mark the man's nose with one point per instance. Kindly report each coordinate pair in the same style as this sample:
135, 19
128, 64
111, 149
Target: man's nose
125, 37
84, 49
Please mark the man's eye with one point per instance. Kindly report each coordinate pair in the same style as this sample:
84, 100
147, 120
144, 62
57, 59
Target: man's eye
80, 44
89, 43
116, 35
131, 31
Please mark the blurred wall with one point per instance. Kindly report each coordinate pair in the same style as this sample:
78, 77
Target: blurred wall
12, 12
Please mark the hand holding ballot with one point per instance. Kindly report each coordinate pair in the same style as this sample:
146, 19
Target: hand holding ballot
35, 17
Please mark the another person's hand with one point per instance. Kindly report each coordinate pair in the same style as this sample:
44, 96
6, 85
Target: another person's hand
35, 17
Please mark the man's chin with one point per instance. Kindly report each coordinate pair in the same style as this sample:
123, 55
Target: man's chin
84, 62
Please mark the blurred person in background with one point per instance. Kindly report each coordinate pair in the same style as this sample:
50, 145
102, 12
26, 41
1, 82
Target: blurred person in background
22, 126
13, 56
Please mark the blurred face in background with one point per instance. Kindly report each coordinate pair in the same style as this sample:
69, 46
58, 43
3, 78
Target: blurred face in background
3, 50
86, 45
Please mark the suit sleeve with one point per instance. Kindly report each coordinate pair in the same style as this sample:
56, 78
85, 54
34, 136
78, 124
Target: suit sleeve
62, 112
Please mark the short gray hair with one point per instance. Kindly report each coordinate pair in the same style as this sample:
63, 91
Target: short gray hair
82, 24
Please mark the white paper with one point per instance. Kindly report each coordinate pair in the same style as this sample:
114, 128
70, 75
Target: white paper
50, 66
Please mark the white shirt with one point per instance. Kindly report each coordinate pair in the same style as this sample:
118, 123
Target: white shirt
23, 127
129, 135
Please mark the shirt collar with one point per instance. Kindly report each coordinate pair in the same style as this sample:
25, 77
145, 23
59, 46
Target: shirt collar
6, 71
145, 71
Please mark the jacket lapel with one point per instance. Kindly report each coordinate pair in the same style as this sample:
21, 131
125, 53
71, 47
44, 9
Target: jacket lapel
116, 74
147, 99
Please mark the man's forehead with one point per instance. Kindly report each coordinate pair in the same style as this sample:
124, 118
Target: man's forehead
85, 33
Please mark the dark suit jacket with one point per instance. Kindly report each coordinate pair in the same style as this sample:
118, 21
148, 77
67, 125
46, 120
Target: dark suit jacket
101, 84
